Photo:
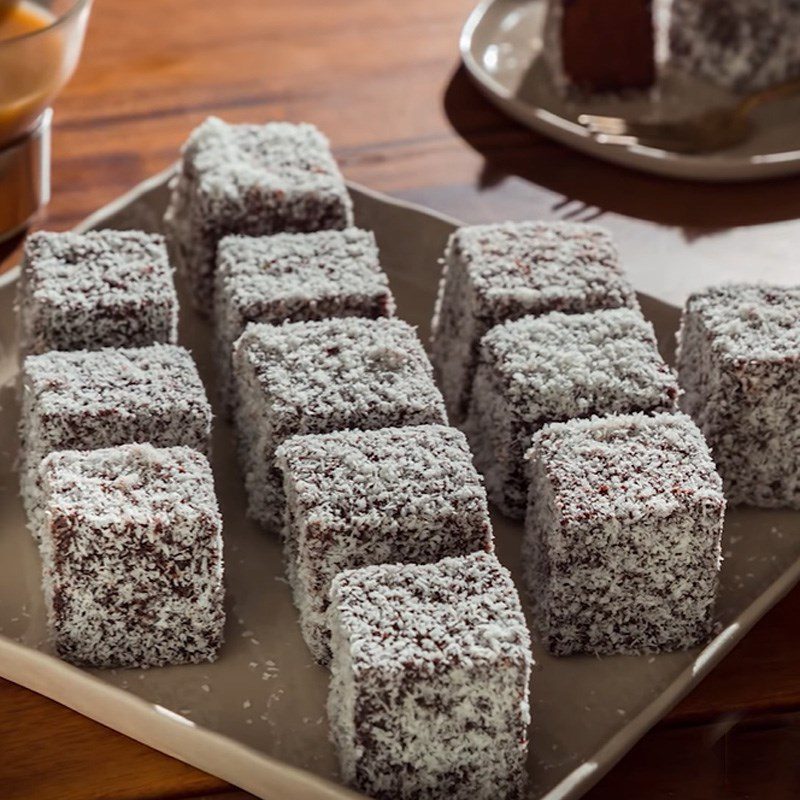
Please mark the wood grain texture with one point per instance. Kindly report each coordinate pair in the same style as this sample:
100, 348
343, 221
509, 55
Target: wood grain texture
39, 745
382, 79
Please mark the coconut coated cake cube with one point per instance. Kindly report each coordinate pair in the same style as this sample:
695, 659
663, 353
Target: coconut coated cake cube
743, 45
84, 291
320, 377
132, 556
739, 364
496, 273
86, 400
254, 180
543, 369
622, 537
429, 687
293, 277
355, 498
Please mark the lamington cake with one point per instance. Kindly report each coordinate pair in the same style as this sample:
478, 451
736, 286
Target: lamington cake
553, 368
320, 377
253, 180
429, 686
355, 498
600, 45
743, 45
622, 537
84, 291
86, 400
739, 364
132, 556
294, 277
496, 273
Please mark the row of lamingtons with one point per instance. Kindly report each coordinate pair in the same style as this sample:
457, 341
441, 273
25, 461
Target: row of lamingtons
544, 360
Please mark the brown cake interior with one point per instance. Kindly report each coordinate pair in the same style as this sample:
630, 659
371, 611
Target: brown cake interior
608, 45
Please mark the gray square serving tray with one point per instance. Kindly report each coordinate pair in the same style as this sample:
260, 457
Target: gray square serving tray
256, 717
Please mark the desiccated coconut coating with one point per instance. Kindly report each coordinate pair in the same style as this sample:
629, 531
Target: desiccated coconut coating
132, 556
622, 538
86, 400
294, 277
744, 45
355, 498
496, 273
254, 180
739, 364
553, 368
320, 377
84, 291
429, 686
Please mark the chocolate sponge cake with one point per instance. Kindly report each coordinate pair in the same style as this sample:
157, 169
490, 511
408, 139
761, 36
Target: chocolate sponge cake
601, 45
622, 537
429, 684
496, 273
85, 291
537, 370
355, 498
254, 180
319, 377
739, 363
294, 277
86, 400
132, 556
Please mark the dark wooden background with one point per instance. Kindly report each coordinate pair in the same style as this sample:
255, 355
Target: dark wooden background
381, 77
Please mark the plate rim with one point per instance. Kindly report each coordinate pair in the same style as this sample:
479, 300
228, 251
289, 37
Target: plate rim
241, 765
643, 159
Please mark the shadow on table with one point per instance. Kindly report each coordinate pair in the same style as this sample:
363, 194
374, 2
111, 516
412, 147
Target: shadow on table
509, 149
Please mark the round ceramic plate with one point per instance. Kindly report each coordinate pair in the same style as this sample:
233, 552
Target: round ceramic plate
501, 45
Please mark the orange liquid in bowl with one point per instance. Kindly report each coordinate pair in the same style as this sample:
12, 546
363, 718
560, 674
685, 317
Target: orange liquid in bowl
17, 19
30, 68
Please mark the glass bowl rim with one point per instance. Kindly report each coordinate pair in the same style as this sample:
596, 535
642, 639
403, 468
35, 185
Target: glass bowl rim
73, 10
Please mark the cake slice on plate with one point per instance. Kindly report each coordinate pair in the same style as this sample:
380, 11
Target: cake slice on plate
743, 45
600, 45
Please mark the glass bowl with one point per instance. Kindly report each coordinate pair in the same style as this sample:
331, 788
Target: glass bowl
34, 66
40, 43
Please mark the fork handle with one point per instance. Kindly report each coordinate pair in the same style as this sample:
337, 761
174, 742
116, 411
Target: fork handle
755, 100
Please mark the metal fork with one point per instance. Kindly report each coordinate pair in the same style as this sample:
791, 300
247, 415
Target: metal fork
715, 129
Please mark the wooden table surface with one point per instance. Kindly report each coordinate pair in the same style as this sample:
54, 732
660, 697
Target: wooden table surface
382, 79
